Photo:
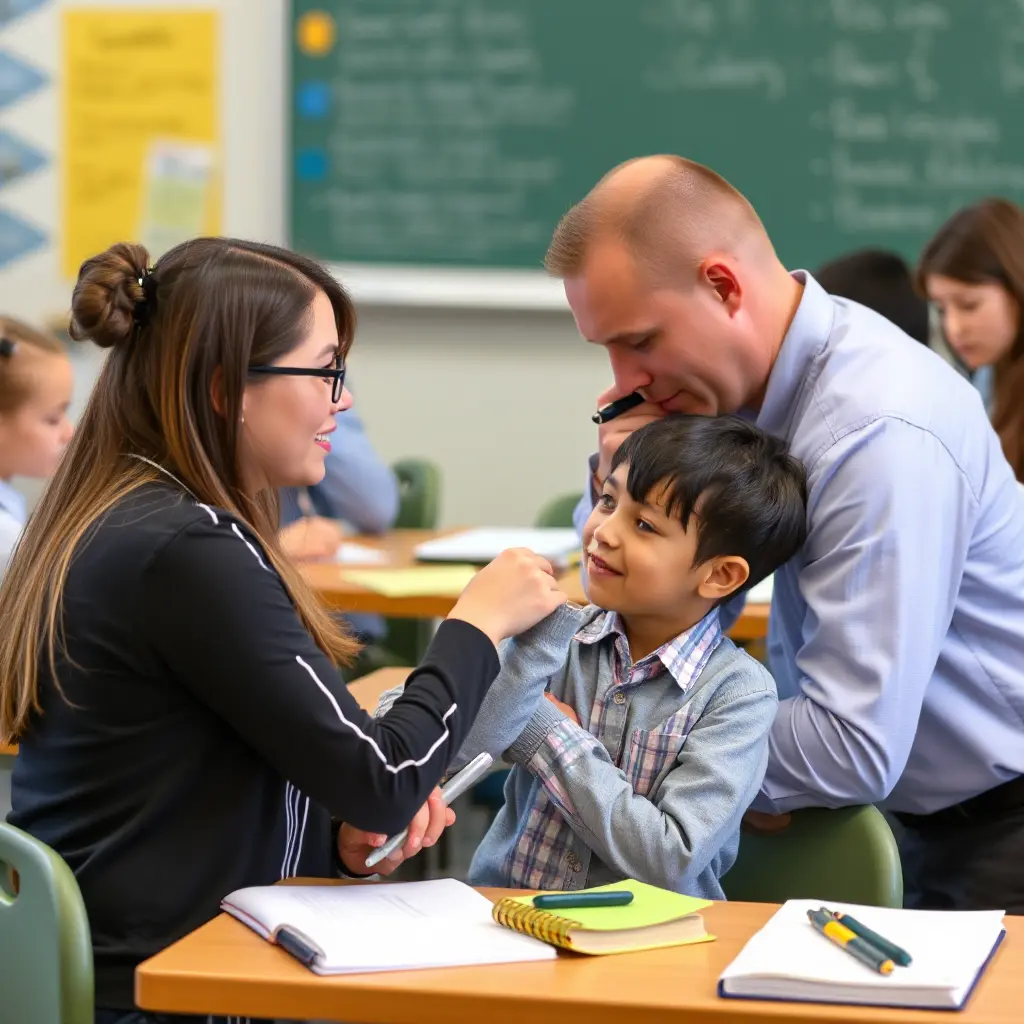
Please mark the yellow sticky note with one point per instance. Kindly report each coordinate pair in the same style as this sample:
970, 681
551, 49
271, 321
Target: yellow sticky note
140, 104
420, 581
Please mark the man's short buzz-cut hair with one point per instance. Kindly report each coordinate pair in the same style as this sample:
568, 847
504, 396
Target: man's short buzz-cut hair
668, 217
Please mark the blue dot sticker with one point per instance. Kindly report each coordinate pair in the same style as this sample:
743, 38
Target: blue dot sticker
311, 165
313, 100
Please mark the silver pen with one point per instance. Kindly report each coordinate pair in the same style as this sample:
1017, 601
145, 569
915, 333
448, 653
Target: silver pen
454, 787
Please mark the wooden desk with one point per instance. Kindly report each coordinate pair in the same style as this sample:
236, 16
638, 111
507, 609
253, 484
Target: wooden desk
8, 751
224, 968
328, 580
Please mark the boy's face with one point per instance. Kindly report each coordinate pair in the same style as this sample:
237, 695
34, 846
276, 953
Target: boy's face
640, 560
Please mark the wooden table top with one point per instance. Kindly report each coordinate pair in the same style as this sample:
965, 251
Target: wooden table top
225, 968
8, 750
328, 580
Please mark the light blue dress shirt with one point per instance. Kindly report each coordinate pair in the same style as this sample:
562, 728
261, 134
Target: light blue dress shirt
896, 636
12, 519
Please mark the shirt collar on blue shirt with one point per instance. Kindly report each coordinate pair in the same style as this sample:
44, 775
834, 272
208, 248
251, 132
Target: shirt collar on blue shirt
683, 657
12, 502
807, 335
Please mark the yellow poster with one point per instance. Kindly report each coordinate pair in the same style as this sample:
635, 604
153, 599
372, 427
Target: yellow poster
140, 153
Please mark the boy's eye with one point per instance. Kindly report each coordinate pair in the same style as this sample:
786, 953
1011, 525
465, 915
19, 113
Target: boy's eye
644, 527
606, 502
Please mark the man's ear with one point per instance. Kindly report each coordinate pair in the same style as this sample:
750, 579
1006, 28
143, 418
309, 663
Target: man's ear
722, 576
723, 280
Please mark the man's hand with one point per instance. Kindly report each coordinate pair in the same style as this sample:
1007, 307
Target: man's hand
759, 823
311, 538
564, 708
355, 845
610, 435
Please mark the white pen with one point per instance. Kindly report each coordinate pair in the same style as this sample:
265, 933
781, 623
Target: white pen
454, 787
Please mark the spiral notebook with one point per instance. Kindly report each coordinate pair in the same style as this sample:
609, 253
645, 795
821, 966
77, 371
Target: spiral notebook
656, 918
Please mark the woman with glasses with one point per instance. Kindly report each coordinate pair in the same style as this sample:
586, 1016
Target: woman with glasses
171, 680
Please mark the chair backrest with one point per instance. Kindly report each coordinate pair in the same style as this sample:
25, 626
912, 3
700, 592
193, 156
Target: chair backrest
45, 946
847, 855
419, 490
558, 511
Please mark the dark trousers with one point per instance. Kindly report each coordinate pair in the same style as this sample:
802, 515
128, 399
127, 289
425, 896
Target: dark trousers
956, 862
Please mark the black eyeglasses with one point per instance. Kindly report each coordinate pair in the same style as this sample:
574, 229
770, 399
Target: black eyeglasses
335, 375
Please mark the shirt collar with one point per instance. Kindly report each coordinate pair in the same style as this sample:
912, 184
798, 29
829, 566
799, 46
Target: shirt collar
12, 501
683, 657
807, 335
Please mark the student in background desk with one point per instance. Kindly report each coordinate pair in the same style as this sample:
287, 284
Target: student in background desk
171, 679
654, 737
973, 272
358, 490
35, 392
882, 281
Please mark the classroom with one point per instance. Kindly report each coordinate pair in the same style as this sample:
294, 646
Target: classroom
511, 508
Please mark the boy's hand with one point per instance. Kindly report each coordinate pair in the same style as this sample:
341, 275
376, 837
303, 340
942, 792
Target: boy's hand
610, 435
355, 845
760, 823
311, 539
564, 708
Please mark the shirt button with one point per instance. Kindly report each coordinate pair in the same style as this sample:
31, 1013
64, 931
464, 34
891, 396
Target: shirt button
619, 698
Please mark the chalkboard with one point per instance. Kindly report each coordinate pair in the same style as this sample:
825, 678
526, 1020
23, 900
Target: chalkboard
454, 133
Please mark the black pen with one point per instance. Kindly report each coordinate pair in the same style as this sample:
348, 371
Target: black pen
618, 407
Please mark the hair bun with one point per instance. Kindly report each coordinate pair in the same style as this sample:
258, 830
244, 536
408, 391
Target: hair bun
106, 293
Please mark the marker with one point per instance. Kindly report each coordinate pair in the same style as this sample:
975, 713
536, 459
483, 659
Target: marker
857, 947
618, 407
454, 787
564, 900
895, 953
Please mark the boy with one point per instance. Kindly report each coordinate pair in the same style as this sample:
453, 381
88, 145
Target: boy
653, 740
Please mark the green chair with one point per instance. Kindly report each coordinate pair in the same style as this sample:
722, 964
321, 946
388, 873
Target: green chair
558, 511
45, 946
847, 855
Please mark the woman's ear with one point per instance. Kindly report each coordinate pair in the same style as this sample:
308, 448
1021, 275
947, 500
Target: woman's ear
722, 576
217, 391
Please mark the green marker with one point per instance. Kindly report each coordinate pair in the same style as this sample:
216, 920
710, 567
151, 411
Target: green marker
565, 900
895, 953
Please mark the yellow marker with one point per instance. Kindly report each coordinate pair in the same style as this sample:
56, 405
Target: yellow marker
315, 33
850, 941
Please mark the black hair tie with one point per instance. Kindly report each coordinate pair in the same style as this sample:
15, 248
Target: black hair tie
146, 306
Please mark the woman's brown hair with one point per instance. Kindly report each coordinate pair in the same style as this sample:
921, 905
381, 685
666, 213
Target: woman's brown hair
19, 344
980, 244
177, 333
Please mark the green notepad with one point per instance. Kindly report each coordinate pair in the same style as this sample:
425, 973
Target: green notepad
655, 918
420, 581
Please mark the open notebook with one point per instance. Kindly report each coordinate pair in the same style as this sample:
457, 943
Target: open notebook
789, 960
355, 929
559, 546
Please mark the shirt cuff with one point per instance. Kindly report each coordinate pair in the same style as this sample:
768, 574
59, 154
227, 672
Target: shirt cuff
545, 725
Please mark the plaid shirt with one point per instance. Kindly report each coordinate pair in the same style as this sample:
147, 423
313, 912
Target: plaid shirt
545, 844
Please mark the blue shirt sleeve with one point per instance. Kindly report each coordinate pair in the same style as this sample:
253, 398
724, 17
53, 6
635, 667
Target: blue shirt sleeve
358, 487
891, 516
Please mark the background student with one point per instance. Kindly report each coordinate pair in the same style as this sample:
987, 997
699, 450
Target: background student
172, 680
973, 271
35, 392
882, 281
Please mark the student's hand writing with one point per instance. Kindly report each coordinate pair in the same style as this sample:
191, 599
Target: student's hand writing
311, 538
355, 845
510, 595
610, 435
564, 708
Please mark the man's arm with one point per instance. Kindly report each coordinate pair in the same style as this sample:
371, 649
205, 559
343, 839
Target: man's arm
671, 840
891, 515
528, 661
357, 488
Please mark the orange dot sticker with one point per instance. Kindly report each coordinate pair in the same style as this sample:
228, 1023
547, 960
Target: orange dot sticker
315, 33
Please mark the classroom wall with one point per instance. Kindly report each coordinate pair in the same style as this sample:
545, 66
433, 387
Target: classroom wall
500, 400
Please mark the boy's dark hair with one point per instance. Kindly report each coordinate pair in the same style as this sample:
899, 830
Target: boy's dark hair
749, 494
882, 281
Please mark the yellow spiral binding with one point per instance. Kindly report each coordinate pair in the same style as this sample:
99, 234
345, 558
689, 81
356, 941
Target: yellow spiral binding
540, 924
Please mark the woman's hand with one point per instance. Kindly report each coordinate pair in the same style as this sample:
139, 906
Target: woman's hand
311, 539
510, 595
355, 845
